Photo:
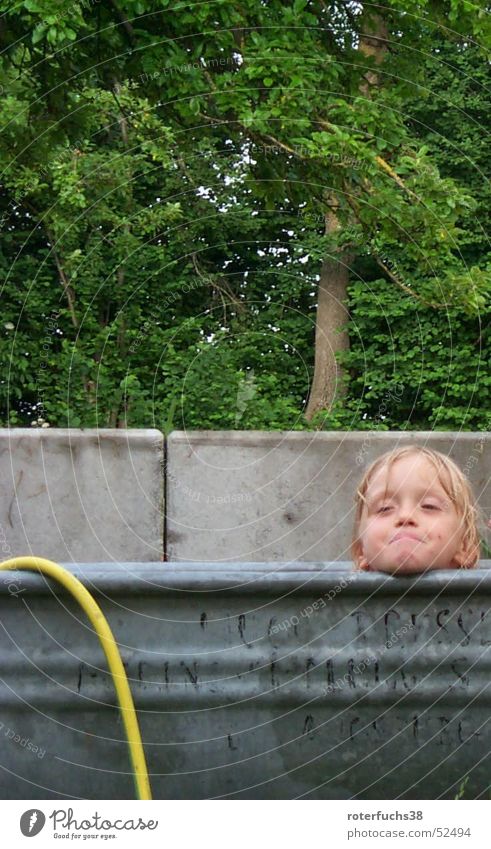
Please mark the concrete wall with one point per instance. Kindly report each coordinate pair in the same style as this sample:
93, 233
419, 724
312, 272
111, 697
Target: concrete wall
97, 495
81, 494
259, 496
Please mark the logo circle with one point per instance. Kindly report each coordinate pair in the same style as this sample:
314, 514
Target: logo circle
32, 822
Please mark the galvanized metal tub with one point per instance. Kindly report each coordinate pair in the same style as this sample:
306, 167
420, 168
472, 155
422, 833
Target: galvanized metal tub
251, 682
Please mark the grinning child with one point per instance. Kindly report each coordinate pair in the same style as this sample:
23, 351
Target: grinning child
415, 511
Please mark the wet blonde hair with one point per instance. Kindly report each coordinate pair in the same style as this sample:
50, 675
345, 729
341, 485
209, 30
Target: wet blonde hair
453, 481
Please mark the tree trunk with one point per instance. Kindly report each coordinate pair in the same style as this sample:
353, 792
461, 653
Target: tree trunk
331, 329
373, 42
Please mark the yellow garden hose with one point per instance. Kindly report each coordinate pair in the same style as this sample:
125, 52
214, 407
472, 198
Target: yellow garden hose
108, 643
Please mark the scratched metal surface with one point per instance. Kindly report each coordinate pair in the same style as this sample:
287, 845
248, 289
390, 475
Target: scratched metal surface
261, 681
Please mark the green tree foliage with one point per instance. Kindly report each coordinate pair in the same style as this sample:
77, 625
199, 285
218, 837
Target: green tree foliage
164, 174
413, 367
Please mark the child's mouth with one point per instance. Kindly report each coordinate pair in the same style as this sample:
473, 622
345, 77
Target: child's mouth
404, 535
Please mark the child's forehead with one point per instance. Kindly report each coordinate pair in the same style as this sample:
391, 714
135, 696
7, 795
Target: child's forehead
415, 469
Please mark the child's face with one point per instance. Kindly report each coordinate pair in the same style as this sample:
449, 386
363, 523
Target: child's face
411, 527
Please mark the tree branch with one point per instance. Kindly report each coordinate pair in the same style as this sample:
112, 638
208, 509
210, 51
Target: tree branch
402, 285
212, 281
130, 32
70, 294
381, 163
381, 264
390, 171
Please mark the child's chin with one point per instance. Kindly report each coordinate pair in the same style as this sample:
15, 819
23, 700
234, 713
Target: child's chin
409, 567
414, 567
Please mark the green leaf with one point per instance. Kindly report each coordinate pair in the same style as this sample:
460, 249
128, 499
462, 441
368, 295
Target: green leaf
39, 32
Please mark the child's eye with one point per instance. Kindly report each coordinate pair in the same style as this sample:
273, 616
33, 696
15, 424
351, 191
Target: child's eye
384, 509
430, 506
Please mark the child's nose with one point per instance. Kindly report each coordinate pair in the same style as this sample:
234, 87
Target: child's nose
406, 514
